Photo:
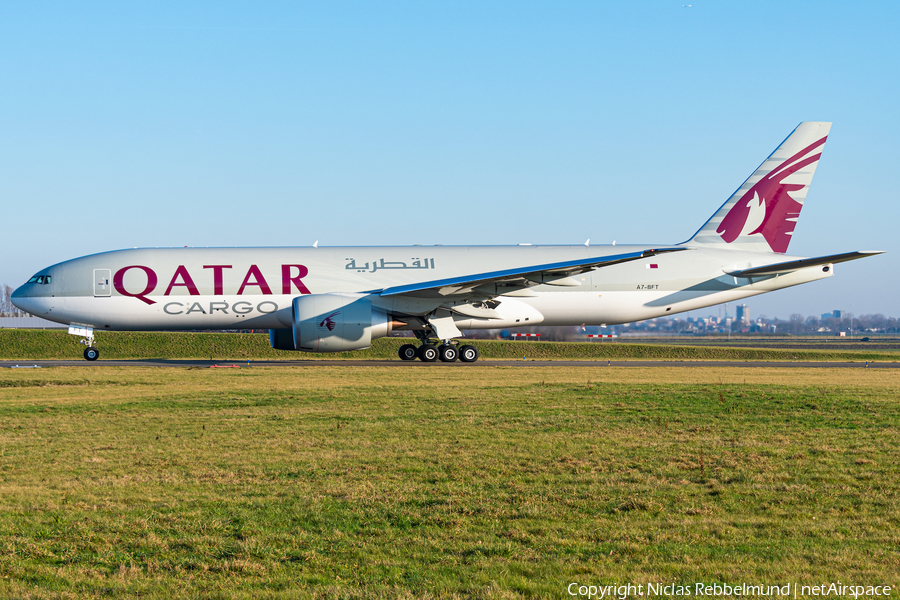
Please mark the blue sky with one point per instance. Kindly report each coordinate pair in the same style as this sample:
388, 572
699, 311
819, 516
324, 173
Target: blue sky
242, 124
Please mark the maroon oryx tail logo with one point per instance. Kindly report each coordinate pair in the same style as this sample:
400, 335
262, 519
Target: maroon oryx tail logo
781, 210
328, 322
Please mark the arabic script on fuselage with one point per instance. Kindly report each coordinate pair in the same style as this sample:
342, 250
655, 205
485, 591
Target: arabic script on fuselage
378, 265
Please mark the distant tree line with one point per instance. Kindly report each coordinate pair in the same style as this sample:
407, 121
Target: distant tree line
877, 323
796, 324
7, 309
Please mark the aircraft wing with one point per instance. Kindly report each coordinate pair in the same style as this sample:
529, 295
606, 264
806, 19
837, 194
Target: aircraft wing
500, 282
794, 265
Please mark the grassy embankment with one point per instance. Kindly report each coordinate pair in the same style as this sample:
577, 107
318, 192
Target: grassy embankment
21, 344
491, 482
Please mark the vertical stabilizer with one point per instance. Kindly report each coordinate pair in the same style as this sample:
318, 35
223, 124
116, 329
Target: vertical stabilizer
762, 213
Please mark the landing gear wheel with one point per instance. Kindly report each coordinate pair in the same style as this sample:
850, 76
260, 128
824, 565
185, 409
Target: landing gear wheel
468, 354
428, 353
408, 352
448, 353
91, 353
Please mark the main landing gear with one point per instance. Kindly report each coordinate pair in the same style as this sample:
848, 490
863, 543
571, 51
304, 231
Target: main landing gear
446, 352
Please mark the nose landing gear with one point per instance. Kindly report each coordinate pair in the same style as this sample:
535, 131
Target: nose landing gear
87, 334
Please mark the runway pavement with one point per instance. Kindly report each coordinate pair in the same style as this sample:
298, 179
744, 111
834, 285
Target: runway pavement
439, 365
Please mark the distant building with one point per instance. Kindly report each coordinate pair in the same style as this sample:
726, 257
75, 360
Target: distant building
742, 314
836, 314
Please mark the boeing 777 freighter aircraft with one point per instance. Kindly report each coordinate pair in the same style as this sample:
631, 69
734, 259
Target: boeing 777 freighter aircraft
337, 299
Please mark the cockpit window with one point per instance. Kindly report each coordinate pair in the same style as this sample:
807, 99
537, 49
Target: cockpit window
40, 279
35, 279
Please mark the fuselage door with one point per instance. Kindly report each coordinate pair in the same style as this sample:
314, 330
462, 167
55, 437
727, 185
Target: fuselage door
101, 282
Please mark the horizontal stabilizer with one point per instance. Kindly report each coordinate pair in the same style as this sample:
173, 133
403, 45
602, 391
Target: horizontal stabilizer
522, 276
794, 265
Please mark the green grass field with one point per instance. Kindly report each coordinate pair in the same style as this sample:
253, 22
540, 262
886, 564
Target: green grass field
488, 482
22, 344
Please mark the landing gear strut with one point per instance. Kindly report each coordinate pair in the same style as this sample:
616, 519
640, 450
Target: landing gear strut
87, 334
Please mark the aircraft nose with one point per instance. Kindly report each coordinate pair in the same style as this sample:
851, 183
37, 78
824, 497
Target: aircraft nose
20, 300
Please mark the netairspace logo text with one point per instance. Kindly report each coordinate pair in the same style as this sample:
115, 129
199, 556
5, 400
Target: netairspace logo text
790, 590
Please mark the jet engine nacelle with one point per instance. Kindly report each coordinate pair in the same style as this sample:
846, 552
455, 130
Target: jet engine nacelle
332, 323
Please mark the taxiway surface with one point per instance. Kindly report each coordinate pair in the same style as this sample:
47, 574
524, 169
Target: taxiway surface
22, 364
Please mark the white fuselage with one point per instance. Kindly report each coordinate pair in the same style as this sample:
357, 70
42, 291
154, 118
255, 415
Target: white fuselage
231, 288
